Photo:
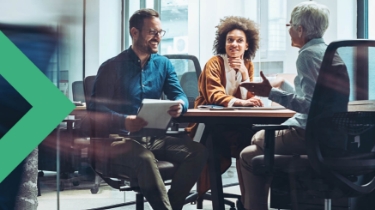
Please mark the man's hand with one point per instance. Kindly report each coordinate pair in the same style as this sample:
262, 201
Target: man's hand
259, 88
176, 110
134, 123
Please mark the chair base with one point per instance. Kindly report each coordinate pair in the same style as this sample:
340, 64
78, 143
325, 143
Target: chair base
283, 197
139, 203
64, 179
194, 199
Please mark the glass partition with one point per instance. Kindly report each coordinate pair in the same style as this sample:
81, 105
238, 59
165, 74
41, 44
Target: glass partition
190, 29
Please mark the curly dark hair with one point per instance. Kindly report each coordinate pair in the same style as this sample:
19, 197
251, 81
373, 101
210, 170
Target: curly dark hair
230, 23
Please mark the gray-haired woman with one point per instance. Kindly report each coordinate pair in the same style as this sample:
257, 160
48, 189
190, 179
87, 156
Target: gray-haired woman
308, 23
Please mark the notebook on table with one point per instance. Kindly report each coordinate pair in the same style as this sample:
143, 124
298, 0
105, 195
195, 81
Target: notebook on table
216, 107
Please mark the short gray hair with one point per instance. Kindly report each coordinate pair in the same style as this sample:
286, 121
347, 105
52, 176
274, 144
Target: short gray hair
313, 17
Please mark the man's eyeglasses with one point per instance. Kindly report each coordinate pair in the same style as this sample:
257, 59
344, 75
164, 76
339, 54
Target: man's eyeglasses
153, 33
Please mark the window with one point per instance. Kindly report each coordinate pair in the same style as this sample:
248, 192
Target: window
174, 15
276, 25
371, 35
273, 37
371, 19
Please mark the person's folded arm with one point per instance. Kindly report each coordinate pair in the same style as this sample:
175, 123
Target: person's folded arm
211, 86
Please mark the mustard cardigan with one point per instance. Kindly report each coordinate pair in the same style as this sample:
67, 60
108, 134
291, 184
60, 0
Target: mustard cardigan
211, 86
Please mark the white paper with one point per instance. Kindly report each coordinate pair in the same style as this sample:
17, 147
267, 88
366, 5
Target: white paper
155, 112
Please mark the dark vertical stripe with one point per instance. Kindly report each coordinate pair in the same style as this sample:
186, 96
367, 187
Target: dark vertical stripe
362, 85
362, 73
362, 19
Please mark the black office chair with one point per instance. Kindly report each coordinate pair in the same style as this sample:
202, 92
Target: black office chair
100, 147
47, 158
332, 168
188, 71
78, 92
81, 133
71, 146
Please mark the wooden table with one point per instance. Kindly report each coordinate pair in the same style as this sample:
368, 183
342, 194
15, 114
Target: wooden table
213, 118
79, 108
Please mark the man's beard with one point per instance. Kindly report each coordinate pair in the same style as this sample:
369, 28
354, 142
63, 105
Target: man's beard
143, 46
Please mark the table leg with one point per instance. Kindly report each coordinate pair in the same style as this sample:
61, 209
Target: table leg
214, 170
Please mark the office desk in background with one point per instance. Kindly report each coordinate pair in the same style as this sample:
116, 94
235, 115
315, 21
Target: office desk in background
75, 116
79, 109
240, 117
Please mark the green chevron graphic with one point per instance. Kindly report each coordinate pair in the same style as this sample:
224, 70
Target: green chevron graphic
49, 106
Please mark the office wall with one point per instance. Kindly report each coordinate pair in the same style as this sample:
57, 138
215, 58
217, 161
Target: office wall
103, 35
210, 13
34, 12
103, 28
66, 17
103, 25
342, 25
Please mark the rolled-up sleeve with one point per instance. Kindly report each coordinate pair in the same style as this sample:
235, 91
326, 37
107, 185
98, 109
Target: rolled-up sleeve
299, 100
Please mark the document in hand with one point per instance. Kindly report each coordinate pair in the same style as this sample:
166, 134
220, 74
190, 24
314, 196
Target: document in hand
155, 112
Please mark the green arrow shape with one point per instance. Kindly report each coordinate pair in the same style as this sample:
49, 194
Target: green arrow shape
49, 106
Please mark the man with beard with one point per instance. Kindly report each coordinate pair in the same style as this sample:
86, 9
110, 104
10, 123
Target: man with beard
120, 86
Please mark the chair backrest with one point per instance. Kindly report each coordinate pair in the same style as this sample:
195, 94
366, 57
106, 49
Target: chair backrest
78, 92
188, 70
339, 81
97, 145
88, 85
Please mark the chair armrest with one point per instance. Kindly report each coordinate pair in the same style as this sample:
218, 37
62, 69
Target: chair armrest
269, 143
270, 127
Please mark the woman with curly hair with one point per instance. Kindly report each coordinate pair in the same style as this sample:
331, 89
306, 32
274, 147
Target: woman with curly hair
236, 41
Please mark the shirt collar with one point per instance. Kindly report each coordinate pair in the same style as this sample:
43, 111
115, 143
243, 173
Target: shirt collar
312, 42
135, 57
132, 54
